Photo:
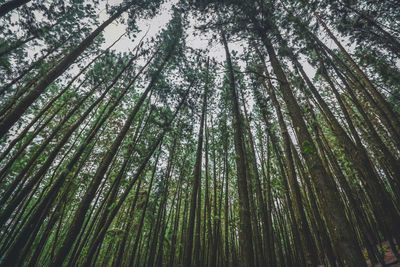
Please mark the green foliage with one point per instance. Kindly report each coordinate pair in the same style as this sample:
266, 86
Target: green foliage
307, 147
139, 204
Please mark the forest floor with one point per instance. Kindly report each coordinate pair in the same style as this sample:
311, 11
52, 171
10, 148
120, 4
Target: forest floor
390, 259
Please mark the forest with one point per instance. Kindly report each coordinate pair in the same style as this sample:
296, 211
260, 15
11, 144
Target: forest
199, 133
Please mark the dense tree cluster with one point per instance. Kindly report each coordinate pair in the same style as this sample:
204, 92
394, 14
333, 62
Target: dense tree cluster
284, 153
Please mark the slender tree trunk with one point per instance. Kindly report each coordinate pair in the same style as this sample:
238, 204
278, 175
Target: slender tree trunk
304, 230
258, 189
245, 231
172, 251
359, 156
160, 214
332, 206
226, 213
84, 205
196, 185
393, 42
23, 190
207, 205
11, 5
269, 235
34, 65
141, 221
18, 110
362, 84
381, 102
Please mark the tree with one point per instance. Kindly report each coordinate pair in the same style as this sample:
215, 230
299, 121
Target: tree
275, 144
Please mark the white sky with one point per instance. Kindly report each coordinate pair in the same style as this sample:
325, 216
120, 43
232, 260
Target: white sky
116, 29
153, 27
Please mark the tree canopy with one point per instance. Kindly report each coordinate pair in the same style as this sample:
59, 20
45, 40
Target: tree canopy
239, 133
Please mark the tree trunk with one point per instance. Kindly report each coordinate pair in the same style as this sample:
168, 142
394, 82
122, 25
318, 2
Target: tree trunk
332, 206
18, 110
245, 231
11, 5
196, 186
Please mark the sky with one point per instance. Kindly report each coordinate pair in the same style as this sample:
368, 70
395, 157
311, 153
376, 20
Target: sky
152, 27
146, 27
